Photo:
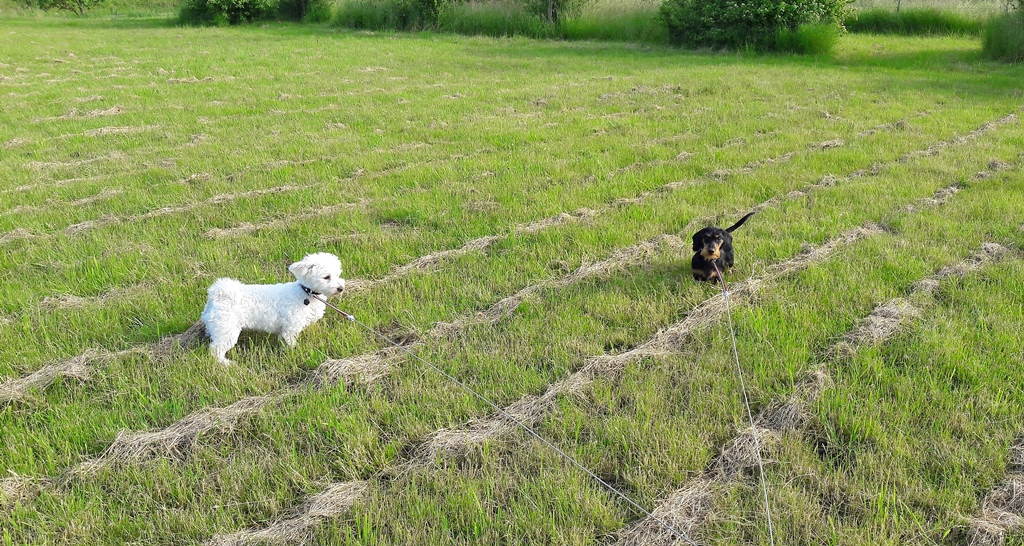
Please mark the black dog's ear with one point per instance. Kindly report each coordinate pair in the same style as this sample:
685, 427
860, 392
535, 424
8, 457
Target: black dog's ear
697, 241
726, 239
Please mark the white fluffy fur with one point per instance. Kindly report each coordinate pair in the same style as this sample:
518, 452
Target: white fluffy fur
279, 309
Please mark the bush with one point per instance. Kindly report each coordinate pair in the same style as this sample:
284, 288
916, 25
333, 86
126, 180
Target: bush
753, 24
387, 14
501, 18
913, 22
310, 11
222, 12
1004, 38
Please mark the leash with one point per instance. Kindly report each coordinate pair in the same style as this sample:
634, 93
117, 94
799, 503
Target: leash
518, 423
746, 401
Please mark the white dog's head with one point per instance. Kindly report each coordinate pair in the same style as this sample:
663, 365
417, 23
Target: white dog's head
320, 272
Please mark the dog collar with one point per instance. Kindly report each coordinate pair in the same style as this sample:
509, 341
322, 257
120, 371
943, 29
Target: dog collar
308, 291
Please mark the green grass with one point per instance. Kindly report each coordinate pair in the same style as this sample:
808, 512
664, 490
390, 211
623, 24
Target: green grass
975, 8
914, 22
433, 141
637, 21
1004, 38
493, 19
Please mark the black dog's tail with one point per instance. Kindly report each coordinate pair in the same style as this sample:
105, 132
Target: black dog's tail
740, 223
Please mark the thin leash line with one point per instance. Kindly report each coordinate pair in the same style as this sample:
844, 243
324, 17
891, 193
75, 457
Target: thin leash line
518, 423
746, 402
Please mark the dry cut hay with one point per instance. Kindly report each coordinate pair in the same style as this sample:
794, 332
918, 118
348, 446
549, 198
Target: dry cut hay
178, 439
164, 350
17, 489
883, 323
430, 260
938, 198
686, 510
622, 258
1002, 513
334, 501
70, 301
365, 368
15, 235
451, 443
248, 227
742, 452
990, 252
76, 367
481, 243
128, 130
791, 414
457, 442
752, 166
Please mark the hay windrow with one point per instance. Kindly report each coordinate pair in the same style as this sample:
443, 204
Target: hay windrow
127, 130
558, 220
742, 452
990, 252
71, 301
76, 367
165, 211
15, 234
366, 368
164, 350
531, 408
43, 165
18, 489
74, 113
178, 439
620, 259
248, 227
1002, 513
686, 510
430, 260
334, 501
1004, 508
881, 325
940, 197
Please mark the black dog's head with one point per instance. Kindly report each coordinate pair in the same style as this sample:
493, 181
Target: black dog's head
711, 242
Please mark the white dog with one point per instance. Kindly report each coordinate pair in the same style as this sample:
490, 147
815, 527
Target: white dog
283, 309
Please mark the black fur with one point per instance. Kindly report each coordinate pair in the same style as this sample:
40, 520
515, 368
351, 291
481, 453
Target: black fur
713, 244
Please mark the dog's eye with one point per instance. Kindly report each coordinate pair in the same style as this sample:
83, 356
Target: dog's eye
327, 278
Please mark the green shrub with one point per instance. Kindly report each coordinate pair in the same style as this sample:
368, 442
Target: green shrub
913, 22
222, 12
815, 39
387, 14
744, 23
310, 11
503, 18
1004, 38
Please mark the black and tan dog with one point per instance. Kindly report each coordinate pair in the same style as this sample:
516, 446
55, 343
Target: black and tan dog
713, 246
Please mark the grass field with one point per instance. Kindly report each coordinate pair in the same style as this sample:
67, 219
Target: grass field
518, 213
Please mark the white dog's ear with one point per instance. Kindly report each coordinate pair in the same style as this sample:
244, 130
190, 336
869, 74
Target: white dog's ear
301, 269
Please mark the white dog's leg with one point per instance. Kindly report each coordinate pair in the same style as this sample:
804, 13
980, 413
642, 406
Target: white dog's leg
222, 343
291, 338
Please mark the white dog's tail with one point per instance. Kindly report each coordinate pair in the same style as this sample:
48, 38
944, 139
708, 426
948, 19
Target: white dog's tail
226, 290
